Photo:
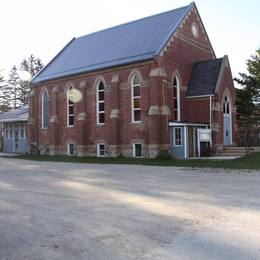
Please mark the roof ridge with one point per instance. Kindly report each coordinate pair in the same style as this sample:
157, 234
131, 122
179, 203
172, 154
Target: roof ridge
174, 29
134, 21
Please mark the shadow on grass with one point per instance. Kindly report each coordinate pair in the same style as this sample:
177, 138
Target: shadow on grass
251, 161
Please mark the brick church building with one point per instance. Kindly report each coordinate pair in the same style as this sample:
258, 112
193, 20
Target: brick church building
135, 89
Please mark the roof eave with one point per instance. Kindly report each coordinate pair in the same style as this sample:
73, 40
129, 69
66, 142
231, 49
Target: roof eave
37, 83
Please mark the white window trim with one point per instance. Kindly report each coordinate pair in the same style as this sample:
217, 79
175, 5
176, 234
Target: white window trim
6, 132
68, 115
98, 112
230, 116
9, 135
133, 98
98, 150
68, 149
44, 127
20, 129
134, 150
178, 98
174, 135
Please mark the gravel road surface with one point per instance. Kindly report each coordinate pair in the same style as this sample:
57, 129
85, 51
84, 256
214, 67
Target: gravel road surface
86, 211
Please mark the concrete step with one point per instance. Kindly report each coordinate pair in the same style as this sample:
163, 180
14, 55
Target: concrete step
232, 150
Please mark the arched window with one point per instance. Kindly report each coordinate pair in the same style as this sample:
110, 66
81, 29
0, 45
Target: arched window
136, 99
100, 96
45, 109
176, 99
226, 106
70, 107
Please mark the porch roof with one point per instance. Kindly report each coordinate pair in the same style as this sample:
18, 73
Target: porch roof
19, 115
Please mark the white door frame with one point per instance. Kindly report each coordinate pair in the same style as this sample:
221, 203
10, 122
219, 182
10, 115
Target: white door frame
227, 115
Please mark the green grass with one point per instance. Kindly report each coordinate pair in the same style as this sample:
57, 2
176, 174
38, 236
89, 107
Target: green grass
251, 161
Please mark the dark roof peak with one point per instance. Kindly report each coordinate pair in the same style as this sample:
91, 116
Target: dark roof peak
204, 77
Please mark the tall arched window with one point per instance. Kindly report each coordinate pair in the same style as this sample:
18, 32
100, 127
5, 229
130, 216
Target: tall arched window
45, 109
136, 99
176, 99
226, 105
100, 96
70, 107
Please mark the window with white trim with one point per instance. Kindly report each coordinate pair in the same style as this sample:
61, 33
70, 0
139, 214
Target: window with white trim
136, 99
10, 133
70, 148
176, 98
177, 136
45, 109
226, 105
22, 131
137, 150
6, 132
70, 107
100, 150
100, 106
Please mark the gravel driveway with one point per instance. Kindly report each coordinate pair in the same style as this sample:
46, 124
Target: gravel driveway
86, 211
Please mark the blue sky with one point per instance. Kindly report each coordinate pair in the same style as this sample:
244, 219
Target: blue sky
44, 27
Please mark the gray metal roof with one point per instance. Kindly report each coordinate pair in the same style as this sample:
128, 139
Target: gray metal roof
127, 43
204, 77
18, 115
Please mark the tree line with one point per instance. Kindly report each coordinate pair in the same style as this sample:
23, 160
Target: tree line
14, 89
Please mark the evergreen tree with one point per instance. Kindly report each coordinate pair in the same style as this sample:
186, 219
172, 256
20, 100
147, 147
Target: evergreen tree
31, 65
248, 101
13, 88
4, 98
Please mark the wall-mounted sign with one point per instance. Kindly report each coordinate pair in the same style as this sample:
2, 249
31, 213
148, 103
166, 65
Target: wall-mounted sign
204, 135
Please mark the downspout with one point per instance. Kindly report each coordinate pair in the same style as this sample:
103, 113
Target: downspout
36, 118
210, 113
210, 119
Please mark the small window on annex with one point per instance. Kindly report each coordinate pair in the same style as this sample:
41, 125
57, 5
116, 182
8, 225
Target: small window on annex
100, 106
137, 150
71, 149
70, 108
45, 109
22, 131
177, 135
136, 99
100, 150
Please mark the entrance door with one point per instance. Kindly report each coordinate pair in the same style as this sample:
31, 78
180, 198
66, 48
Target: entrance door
227, 129
16, 140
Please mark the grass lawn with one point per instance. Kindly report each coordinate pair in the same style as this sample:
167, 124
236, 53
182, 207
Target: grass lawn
251, 161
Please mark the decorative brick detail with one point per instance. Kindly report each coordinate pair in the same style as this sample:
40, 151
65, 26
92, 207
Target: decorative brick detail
82, 116
158, 72
154, 111
165, 110
115, 113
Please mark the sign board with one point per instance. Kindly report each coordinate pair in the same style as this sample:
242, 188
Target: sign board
204, 135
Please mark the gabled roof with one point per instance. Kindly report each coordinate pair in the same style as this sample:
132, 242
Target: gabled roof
204, 77
18, 115
127, 43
